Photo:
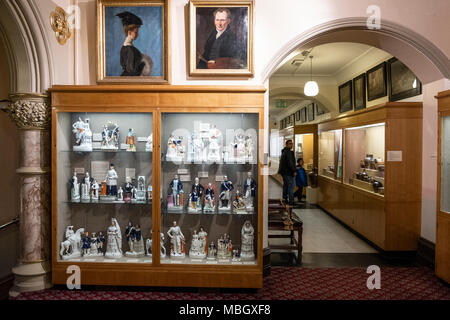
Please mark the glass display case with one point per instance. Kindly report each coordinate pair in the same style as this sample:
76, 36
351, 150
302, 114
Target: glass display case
209, 188
330, 154
304, 148
445, 164
104, 187
364, 157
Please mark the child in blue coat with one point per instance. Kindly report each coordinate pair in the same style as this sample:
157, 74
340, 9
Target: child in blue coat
301, 180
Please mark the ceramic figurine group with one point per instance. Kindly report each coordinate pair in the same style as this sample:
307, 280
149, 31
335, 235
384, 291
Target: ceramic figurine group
208, 148
202, 199
92, 191
109, 137
79, 244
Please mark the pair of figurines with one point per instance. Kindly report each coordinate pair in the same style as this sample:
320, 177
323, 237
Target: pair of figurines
242, 149
198, 248
224, 247
89, 189
175, 149
149, 242
243, 203
110, 137
92, 245
135, 241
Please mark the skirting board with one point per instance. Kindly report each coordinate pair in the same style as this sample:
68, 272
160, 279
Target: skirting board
266, 262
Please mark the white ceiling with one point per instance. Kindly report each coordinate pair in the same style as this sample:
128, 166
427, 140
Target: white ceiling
328, 59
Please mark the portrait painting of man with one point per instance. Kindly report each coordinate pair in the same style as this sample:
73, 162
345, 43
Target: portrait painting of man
133, 45
221, 39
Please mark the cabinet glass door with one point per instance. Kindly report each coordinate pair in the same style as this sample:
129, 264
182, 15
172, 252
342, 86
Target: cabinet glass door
209, 187
330, 154
104, 187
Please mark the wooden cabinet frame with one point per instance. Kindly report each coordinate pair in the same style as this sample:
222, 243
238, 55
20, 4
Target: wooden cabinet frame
442, 264
157, 100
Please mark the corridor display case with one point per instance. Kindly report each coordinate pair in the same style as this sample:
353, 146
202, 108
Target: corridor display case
330, 154
364, 157
443, 189
380, 193
158, 185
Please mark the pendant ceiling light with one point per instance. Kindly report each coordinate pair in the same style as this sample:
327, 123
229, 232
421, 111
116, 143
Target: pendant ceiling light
311, 88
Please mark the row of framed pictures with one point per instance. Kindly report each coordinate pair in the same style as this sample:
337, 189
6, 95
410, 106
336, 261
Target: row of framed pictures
133, 40
389, 76
303, 115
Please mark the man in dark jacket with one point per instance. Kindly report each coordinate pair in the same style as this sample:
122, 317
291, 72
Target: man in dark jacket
221, 43
288, 171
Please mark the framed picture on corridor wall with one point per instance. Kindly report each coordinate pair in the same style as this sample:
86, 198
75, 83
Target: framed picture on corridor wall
376, 82
345, 97
132, 41
359, 92
403, 83
220, 38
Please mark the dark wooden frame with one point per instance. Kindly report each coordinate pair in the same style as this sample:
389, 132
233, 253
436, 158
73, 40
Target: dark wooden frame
303, 114
370, 96
298, 116
404, 94
311, 109
346, 86
362, 106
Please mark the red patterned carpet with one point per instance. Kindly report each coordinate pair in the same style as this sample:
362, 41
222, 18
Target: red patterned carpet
399, 283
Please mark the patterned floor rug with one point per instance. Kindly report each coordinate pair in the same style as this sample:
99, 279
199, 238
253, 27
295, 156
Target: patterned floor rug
289, 283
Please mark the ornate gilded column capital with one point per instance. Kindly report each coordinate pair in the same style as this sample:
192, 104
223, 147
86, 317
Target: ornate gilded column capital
30, 111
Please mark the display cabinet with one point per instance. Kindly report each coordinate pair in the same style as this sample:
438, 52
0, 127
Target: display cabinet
157, 185
330, 154
380, 193
443, 187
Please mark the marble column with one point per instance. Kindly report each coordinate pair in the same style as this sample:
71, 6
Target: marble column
32, 115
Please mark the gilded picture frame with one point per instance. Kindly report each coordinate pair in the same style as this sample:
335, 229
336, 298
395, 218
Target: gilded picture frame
133, 41
220, 41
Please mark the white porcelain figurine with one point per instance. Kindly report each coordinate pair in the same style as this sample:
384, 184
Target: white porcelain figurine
71, 246
210, 192
94, 190
83, 135
86, 188
135, 241
140, 190
149, 246
196, 251
110, 136
247, 234
249, 191
196, 197
177, 248
114, 241
224, 247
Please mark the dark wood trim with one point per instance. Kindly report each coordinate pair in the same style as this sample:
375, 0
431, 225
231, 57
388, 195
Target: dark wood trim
426, 253
266, 262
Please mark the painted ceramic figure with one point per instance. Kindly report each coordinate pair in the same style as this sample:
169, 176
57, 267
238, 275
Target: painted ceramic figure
149, 192
83, 135
196, 197
203, 237
247, 234
135, 241
224, 247
177, 248
120, 194
140, 190
131, 140
75, 188
239, 204
225, 194
86, 241
128, 190
175, 149
209, 198
94, 190
212, 250
114, 244
161, 244
175, 198
196, 149
70, 247
249, 149
196, 251
94, 246
101, 242
86, 187
249, 191
214, 146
